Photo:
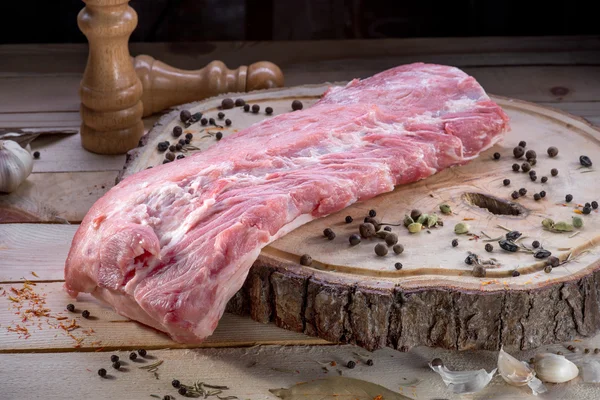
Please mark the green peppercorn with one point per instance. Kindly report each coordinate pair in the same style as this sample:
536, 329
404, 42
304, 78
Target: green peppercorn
354, 239
518, 152
454, 242
552, 151
227, 103
516, 167
391, 239
489, 248
381, 249
496, 156
102, 372
212, 121
297, 105
398, 266
239, 102
70, 307
305, 260
85, 314
523, 143
553, 172
398, 248
506, 182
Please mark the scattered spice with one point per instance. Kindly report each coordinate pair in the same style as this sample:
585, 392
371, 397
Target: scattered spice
571, 347
116, 365
114, 358
391, 239
305, 260
387, 229
268, 110
329, 234
203, 121
381, 250
85, 314
219, 135
132, 356
548, 269
506, 182
530, 154
228, 122
185, 115
522, 191
533, 177
553, 172
70, 307
170, 156
102, 372
180, 156
36, 154
516, 167
585, 161
227, 103
496, 156
596, 351
586, 210
479, 271
162, 146
398, 248
255, 108
516, 273
366, 229
415, 214
536, 196
239, 102
525, 167
370, 362
543, 194
577, 222
246, 107
595, 205
552, 151
212, 121
454, 242
489, 248
297, 105
542, 254
398, 266
508, 246
354, 239
372, 213
586, 351
351, 364
221, 115
142, 352
445, 209
523, 143
535, 244
553, 261
515, 195
569, 198
182, 391
518, 152
176, 384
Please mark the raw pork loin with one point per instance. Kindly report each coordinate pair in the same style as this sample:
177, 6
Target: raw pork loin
169, 246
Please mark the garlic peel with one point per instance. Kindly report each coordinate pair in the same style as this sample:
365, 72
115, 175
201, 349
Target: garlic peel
513, 371
16, 164
461, 382
590, 371
553, 368
536, 386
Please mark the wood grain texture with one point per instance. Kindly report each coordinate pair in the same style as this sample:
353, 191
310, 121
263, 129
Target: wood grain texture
112, 331
55, 197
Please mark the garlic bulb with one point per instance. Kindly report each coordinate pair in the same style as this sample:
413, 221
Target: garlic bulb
16, 164
518, 373
553, 368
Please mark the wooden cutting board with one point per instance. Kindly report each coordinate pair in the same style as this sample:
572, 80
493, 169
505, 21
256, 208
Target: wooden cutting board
351, 295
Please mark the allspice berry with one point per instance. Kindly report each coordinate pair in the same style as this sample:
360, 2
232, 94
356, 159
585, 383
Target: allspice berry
398, 248
381, 249
306, 260
391, 239
478, 271
366, 229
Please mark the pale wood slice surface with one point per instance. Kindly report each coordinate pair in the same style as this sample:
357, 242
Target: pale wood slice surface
351, 295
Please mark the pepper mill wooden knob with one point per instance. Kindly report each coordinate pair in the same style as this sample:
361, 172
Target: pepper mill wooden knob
166, 86
110, 91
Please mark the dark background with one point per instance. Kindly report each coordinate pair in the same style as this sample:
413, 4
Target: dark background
54, 21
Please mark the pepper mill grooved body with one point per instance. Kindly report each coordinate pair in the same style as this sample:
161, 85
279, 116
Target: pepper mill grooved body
110, 91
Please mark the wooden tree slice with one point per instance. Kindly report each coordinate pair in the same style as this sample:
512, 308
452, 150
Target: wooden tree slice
351, 295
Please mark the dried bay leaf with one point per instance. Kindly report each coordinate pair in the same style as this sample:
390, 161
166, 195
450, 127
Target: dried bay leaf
337, 388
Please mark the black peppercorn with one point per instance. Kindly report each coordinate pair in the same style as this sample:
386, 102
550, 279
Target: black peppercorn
187, 141
586, 210
532, 172
552, 151
176, 384
515, 195
85, 314
219, 135
297, 105
182, 391
370, 362
185, 115
387, 229
568, 198
454, 242
305, 260
479, 271
587, 205
585, 161
496, 156
536, 196
525, 167
116, 365
533, 178
165, 161
211, 121
366, 229
180, 156
221, 115
516, 167
530, 154
239, 102
506, 182
172, 148
594, 204
516, 273
398, 266
348, 219
228, 122
522, 191
170, 156
246, 107
351, 364
114, 358
70, 307
523, 143
36, 154
329, 234
255, 108
132, 356
203, 121
227, 103
102, 372
518, 152
489, 248
372, 213
162, 146
437, 362
553, 172
142, 352
553, 261
398, 248
268, 110
544, 179
535, 244
381, 249
354, 239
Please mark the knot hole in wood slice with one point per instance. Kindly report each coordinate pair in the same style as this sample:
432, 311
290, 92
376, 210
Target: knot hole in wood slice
495, 205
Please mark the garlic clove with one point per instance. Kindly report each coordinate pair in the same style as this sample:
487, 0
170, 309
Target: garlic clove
590, 371
16, 164
513, 371
461, 382
553, 368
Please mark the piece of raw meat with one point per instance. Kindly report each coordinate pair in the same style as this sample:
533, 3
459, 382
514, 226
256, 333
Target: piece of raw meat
169, 246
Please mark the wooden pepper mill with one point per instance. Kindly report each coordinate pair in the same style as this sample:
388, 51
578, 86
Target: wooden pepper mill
110, 91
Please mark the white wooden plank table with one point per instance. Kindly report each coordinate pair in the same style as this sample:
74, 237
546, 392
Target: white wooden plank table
38, 89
